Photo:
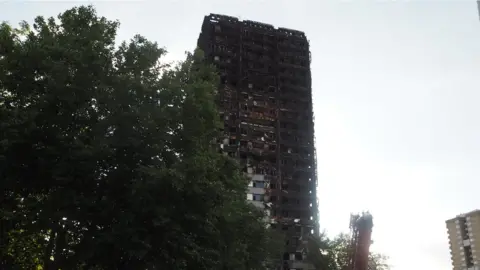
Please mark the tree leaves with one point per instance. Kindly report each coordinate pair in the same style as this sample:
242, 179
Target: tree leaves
327, 254
106, 159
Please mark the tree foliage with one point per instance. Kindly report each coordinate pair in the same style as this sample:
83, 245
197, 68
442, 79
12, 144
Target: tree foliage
321, 253
333, 254
106, 159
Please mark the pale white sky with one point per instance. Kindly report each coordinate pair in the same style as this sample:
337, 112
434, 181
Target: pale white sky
396, 89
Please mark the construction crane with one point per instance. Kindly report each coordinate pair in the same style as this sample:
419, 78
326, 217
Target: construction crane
361, 231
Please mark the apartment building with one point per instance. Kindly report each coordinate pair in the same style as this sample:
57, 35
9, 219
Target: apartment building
464, 238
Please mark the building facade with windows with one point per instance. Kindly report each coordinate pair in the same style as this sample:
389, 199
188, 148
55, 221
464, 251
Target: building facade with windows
464, 240
265, 101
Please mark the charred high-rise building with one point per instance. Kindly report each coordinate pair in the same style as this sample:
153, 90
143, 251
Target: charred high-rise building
265, 99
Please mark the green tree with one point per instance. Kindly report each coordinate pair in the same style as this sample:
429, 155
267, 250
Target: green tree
342, 246
106, 157
327, 254
321, 253
378, 262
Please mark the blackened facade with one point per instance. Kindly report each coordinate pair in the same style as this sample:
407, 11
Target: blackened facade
265, 99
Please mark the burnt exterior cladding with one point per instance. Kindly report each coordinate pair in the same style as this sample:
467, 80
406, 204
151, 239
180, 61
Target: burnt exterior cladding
265, 100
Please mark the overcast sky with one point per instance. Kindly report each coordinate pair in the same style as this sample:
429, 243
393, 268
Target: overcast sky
396, 87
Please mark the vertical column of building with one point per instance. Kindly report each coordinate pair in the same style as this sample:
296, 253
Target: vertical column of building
240, 50
455, 245
220, 42
258, 141
297, 201
464, 242
473, 228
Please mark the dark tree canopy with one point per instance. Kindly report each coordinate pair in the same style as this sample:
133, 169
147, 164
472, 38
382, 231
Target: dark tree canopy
106, 158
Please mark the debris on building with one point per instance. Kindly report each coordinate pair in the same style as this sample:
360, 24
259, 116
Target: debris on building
265, 99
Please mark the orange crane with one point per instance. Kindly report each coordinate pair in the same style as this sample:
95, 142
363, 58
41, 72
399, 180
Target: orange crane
361, 230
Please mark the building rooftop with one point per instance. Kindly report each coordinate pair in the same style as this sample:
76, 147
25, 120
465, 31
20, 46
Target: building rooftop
476, 211
289, 32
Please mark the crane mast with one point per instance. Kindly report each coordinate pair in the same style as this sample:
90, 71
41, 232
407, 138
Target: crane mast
361, 232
